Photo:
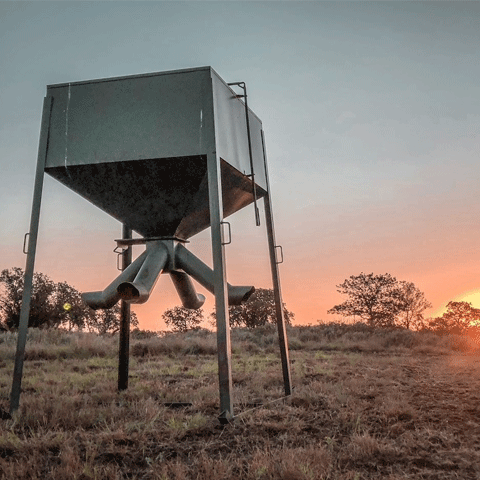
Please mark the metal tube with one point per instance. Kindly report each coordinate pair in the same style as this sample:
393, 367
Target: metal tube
124, 340
282, 332
194, 267
243, 86
109, 297
204, 275
139, 290
224, 347
30, 263
239, 294
186, 290
254, 186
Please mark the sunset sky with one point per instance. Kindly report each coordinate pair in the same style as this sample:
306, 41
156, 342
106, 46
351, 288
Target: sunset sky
371, 112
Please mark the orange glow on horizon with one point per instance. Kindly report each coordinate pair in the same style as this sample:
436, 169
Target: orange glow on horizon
308, 278
472, 297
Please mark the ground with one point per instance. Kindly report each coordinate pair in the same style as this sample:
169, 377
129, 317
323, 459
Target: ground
366, 404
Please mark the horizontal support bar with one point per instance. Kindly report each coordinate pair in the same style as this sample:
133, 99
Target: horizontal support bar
121, 242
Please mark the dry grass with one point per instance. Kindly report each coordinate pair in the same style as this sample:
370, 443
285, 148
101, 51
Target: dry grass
366, 404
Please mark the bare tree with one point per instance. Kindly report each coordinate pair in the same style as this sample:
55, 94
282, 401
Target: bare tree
414, 304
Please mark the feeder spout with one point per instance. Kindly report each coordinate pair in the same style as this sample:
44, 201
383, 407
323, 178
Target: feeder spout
109, 297
186, 290
139, 290
203, 274
239, 294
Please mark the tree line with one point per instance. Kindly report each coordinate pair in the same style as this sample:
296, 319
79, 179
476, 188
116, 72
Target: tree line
257, 311
59, 305
384, 301
53, 305
378, 300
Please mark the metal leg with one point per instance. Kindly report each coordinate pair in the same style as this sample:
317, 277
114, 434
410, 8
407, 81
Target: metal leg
124, 347
30, 264
221, 291
282, 332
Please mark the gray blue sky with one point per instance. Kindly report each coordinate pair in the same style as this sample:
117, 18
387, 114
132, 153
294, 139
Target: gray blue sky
371, 113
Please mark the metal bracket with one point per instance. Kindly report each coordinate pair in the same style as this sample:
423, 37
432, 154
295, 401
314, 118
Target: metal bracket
119, 251
126, 242
229, 233
281, 253
226, 417
25, 250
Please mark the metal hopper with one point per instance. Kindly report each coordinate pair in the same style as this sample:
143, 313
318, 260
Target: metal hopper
168, 155
137, 148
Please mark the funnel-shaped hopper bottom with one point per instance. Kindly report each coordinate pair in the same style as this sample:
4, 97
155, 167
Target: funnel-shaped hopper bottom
164, 197
150, 196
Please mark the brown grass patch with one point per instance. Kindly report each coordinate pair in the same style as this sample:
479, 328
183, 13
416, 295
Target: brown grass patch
366, 405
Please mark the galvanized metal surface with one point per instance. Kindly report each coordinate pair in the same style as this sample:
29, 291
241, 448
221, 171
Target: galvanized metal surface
30, 264
231, 132
109, 297
124, 334
130, 118
281, 328
186, 290
167, 154
136, 282
138, 290
205, 276
250, 153
282, 332
224, 348
137, 148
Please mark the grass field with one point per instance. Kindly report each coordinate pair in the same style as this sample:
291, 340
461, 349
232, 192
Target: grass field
366, 404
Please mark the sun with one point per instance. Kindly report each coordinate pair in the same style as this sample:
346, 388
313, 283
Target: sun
472, 296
